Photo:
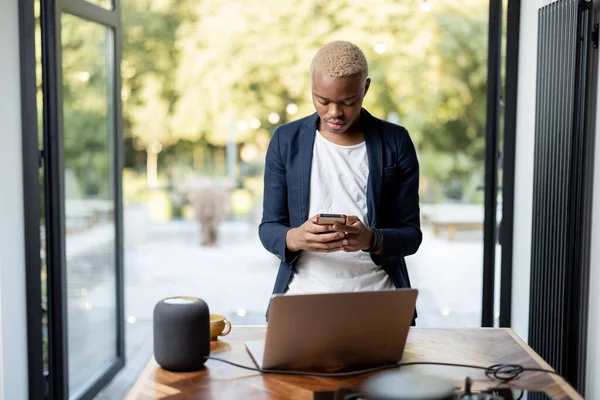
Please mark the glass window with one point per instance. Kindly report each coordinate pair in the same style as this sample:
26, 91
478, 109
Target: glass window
88, 126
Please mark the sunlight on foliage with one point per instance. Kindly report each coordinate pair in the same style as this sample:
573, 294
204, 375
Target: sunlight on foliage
197, 75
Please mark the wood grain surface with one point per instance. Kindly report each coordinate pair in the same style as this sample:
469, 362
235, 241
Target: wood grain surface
475, 346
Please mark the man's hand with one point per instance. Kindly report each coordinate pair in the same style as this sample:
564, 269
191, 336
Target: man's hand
358, 236
311, 236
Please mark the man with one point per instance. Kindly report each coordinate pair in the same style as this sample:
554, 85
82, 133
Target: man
341, 160
207, 198
208, 202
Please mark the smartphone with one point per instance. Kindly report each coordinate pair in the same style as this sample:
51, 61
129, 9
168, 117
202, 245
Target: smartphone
330, 219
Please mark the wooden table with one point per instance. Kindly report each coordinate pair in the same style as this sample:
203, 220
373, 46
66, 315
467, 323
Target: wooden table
477, 346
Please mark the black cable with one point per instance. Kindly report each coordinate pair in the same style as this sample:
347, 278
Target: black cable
501, 372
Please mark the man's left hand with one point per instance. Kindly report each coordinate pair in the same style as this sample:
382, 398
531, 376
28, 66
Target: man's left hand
358, 236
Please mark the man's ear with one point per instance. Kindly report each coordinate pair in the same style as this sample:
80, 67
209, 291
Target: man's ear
367, 85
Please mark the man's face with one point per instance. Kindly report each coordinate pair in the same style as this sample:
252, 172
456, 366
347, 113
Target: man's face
338, 101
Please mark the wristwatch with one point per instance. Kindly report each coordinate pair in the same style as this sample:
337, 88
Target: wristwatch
376, 242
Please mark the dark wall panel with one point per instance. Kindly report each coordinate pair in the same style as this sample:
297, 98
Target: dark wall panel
560, 225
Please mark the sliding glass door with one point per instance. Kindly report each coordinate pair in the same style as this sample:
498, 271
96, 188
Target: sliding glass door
82, 272
88, 61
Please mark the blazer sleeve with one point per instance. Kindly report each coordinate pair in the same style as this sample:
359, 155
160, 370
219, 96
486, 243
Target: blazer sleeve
405, 237
276, 219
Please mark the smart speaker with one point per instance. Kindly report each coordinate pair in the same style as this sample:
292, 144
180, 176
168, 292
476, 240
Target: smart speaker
181, 333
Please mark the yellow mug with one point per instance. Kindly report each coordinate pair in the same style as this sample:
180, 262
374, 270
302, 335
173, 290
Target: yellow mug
219, 326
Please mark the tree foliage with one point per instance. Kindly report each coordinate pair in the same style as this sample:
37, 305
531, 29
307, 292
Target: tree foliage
242, 62
87, 117
199, 72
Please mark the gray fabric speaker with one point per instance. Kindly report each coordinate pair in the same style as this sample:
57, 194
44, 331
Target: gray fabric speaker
181, 333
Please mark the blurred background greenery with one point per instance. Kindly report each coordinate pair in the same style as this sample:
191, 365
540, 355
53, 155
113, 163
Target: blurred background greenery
205, 83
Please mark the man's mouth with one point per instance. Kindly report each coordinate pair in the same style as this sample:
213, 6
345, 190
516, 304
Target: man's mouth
336, 124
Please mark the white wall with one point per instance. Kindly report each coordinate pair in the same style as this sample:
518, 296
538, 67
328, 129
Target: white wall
524, 165
593, 353
13, 338
1, 359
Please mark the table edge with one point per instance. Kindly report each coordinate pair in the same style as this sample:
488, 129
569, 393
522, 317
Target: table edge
564, 385
151, 366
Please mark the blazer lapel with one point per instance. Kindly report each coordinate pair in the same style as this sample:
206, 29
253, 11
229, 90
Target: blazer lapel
374, 155
307, 142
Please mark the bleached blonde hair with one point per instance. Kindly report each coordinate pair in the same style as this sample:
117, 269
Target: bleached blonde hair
340, 59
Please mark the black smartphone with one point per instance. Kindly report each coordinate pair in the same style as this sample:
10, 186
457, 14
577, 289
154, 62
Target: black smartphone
330, 219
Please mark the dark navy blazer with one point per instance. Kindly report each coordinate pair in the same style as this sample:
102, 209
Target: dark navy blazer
392, 193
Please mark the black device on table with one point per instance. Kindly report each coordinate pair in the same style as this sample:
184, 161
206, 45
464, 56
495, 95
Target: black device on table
354, 393
357, 393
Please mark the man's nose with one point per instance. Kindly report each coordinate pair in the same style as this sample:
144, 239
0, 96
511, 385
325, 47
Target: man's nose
335, 110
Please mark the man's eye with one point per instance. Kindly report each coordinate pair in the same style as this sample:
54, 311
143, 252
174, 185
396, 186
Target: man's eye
323, 103
349, 104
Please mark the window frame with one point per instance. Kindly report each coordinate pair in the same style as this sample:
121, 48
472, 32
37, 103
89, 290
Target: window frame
55, 384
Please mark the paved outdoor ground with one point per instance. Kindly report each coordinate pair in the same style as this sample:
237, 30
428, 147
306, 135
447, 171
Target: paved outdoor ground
236, 278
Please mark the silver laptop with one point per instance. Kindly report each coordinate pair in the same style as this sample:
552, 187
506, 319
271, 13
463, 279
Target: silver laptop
335, 330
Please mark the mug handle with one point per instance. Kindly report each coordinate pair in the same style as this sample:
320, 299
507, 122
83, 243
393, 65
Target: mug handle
227, 328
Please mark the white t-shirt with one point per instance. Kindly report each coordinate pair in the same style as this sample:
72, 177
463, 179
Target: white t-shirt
338, 185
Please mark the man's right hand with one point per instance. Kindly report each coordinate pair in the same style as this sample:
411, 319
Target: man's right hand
311, 236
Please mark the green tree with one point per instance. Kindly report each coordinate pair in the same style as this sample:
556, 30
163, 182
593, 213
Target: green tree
87, 121
150, 59
221, 69
456, 130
